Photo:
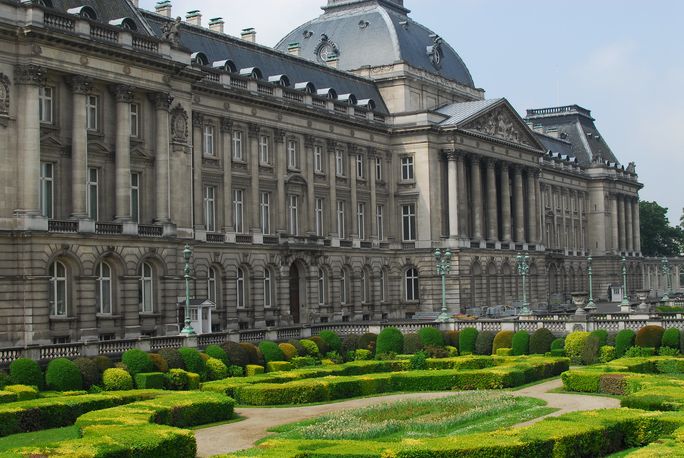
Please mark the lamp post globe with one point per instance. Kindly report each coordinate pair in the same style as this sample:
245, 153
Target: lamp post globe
187, 330
443, 260
591, 306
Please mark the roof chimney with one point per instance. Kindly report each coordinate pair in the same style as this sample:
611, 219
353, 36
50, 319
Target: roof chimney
332, 61
194, 18
216, 24
163, 8
248, 35
294, 49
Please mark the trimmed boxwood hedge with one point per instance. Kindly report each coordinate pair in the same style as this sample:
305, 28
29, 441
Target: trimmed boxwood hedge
390, 340
310, 347
558, 344
24, 371
574, 343
117, 379
193, 361
671, 338
63, 375
367, 342
412, 344
602, 336
150, 380
271, 351
466, 340
650, 336
89, 372
217, 352
520, 344
216, 369
237, 355
332, 340
483, 343
321, 344
503, 339
288, 350
431, 337
624, 340
540, 341
172, 357
137, 361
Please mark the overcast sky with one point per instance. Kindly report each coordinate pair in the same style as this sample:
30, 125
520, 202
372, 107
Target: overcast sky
622, 59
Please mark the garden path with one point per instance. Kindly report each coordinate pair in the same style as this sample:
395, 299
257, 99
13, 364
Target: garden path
243, 434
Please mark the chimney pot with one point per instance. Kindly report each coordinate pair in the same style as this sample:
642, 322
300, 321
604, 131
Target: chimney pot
216, 24
163, 8
194, 17
294, 49
248, 34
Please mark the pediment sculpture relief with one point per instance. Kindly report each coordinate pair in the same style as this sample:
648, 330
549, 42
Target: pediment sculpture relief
500, 123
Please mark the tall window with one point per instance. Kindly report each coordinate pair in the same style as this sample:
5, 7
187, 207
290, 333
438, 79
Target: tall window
318, 158
240, 283
92, 102
322, 287
408, 222
47, 189
365, 287
268, 288
146, 292
238, 204
293, 213
380, 221
264, 150
339, 163
407, 168
319, 217
135, 120
360, 172
292, 154
58, 289
237, 145
383, 285
210, 208
411, 277
104, 289
46, 104
361, 219
344, 297
208, 141
265, 205
211, 285
340, 219
92, 193
378, 169
135, 196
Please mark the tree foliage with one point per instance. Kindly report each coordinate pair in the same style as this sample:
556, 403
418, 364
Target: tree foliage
658, 238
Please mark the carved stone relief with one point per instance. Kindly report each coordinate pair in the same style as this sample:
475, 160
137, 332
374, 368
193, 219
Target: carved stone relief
4, 94
179, 124
500, 123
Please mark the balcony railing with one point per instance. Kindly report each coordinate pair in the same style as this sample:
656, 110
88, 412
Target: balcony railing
65, 227
150, 231
108, 229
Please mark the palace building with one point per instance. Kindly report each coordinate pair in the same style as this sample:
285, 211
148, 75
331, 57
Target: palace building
313, 180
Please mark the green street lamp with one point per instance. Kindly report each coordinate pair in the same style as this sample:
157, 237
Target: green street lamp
523, 263
590, 305
443, 259
667, 271
187, 330
625, 300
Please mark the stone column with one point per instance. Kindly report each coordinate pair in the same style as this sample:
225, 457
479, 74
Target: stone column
227, 142
373, 198
476, 180
80, 87
197, 189
637, 225
124, 96
492, 210
532, 206
254, 175
462, 194
281, 171
519, 205
506, 204
351, 155
162, 103
29, 79
452, 192
580, 211
614, 221
332, 175
629, 228
621, 224
310, 188
392, 225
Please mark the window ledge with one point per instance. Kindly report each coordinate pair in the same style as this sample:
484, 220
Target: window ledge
149, 314
105, 316
62, 318
407, 182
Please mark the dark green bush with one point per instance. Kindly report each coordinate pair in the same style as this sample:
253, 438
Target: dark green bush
640, 352
451, 338
430, 336
466, 340
4, 379
412, 344
158, 362
301, 351
419, 361
602, 335
321, 344
252, 352
24, 371
176, 380
520, 344
117, 379
89, 372
137, 361
271, 351
503, 339
237, 356
172, 357
288, 350
310, 347
574, 343
540, 341
63, 375
214, 351
390, 340
332, 339
216, 369
368, 342
649, 336
436, 352
193, 361
668, 351
624, 340
681, 341
671, 338
611, 339
483, 343
103, 363
590, 350
558, 344
150, 380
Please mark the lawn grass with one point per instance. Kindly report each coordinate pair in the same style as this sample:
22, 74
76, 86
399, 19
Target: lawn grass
38, 438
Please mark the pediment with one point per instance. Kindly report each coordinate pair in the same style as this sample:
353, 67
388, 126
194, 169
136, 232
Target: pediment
295, 179
98, 147
137, 153
503, 123
50, 141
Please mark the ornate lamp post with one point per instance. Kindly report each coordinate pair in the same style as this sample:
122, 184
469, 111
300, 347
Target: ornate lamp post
443, 259
667, 271
523, 263
625, 301
590, 305
187, 330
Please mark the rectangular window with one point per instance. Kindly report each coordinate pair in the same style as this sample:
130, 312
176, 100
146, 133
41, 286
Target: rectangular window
292, 154
208, 141
135, 197
92, 193
265, 204
378, 169
361, 219
383, 283
237, 146
46, 104
47, 189
407, 168
380, 221
339, 163
238, 203
318, 159
360, 173
194, 314
268, 289
340, 219
92, 102
210, 208
293, 211
264, 150
135, 120
319, 217
408, 216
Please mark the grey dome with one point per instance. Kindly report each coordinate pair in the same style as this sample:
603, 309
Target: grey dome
375, 33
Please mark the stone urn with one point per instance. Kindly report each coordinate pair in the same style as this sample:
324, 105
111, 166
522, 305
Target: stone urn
642, 295
579, 299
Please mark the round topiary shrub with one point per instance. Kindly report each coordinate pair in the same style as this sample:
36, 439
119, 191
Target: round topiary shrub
172, 357
431, 337
649, 336
624, 340
216, 369
671, 338
390, 340
520, 344
193, 361
103, 363
63, 375
237, 356
483, 343
502, 339
367, 342
288, 350
24, 371
310, 347
4, 379
252, 352
332, 339
137, 361
159, 363
540, 341
602, 335
89, 372
466, 341
271, 351
301, 351
214, 351
117, 379
590, 350
451, 338
322, 345
412, 344
574, 344
558, 344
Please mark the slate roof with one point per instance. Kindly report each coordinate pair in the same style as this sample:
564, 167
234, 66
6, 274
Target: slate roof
555, 145
107, 10
460, 111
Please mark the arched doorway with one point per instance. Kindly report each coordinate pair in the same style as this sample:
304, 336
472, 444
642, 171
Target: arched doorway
295, 296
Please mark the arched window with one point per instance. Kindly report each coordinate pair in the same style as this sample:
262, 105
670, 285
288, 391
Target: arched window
411, 277
322, 287
104, 289
58, 293
365, 286
344, 284
268, 288
240, 283
211, 285
146, 290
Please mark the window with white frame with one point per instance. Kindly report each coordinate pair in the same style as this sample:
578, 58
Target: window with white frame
46, 100
47, 189
210, 208
380, 221
293, 154
237, 145
211, 285
293, 213
340, 219
268, 288
322, 286
135, 120
265, 206
318, 158
339, 163
240, 284
344, 285
318, 216
361, 219
411, 277
208, 144
383, 285
408, 222
194, 314
238, 205
146, 288
264, 150
378, 169
58, 294
407, 168
135, 196
92, 195
360, 169
92, 110
365, 287
103, 294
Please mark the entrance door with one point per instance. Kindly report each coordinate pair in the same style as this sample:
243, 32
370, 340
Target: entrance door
294, 293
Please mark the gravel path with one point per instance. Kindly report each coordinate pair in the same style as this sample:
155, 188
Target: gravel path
243, 434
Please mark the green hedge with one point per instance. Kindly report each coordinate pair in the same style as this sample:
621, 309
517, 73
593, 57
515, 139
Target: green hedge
193, 361
390, 340
540, 341
271, 351
466, 340
431, 337
137, 361
216, 369
172, 357
558, 344
649, 336
22, 392
484, 343
217, 352
278, 366
624, 341
671, 338
602, 336
117, 379
24, 371
63, 375
332, 340
254, 369
520, 343
574, 344
150, 380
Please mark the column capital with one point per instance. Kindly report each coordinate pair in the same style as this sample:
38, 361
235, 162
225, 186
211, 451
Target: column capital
450, 154
80, 84
32, 75
491, 163
123, 93
226, 125
517, 169
253, 129
197, 119
160, 100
